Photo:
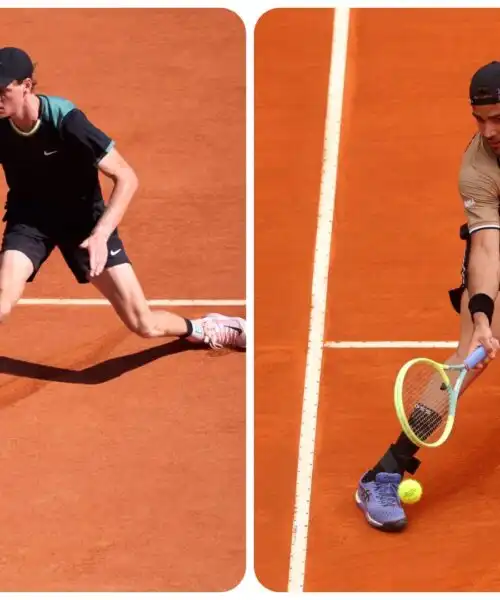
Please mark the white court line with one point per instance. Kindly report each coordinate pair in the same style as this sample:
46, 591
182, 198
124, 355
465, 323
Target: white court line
298, 549
389, 345
102, 302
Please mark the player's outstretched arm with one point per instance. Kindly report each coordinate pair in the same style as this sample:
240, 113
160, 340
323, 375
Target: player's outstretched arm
483, 285
484, 263
114, 166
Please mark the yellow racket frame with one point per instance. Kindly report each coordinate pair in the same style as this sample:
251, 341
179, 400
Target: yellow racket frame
400, 411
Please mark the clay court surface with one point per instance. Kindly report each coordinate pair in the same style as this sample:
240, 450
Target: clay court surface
395, 252
123, 460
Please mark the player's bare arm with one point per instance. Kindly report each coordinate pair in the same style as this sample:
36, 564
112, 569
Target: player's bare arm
479, 191
483, 285
484, 263
125, 184
125, 181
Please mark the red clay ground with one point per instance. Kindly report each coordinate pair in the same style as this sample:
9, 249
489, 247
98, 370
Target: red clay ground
128, 474
402, 139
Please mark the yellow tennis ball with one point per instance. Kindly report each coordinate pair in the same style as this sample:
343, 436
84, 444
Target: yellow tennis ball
410, 491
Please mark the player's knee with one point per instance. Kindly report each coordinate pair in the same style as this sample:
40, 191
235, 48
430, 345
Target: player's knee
146, 332
142, 325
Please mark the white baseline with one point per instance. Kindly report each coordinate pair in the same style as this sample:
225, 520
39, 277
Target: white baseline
103, 302
388, 345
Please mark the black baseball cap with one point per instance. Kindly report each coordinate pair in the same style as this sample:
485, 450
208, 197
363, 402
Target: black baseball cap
15, 65
485, 84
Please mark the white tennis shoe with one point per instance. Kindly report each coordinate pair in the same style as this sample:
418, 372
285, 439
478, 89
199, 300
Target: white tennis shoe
220, 331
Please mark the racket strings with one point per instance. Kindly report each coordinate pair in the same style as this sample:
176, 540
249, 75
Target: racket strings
426, 400
424, 421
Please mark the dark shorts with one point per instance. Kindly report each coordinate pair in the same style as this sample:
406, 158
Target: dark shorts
456, 293
37, 245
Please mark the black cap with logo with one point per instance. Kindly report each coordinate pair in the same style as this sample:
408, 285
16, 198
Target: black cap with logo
15, 65
485, 85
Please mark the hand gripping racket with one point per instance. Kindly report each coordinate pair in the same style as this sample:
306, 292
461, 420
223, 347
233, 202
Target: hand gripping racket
426, 394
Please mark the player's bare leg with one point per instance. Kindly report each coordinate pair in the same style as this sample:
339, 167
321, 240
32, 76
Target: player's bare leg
120, 285
377, 491
15, 269
123, 290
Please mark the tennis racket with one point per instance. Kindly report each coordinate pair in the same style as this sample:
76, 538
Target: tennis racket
426, 394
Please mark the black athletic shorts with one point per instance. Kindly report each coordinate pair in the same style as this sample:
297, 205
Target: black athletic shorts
37, 245
456, 293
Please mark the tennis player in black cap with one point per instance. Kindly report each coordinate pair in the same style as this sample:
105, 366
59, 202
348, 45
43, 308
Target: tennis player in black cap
476, 299
51, 155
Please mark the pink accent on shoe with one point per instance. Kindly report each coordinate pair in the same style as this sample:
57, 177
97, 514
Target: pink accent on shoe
223, 332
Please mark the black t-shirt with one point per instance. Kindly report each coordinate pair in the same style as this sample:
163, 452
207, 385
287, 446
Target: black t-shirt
51, 172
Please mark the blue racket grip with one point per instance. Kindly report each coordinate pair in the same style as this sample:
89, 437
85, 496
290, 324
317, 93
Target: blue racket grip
475, 357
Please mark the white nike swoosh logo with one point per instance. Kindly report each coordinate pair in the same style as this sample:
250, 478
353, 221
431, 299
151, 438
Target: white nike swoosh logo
49, 153
115, 252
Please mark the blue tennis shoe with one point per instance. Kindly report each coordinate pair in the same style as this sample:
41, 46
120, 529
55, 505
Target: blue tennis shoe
380, 502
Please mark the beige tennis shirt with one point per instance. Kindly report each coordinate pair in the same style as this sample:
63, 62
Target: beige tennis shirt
479, 184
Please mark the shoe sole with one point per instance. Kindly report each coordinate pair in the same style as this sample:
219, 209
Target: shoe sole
393, 526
